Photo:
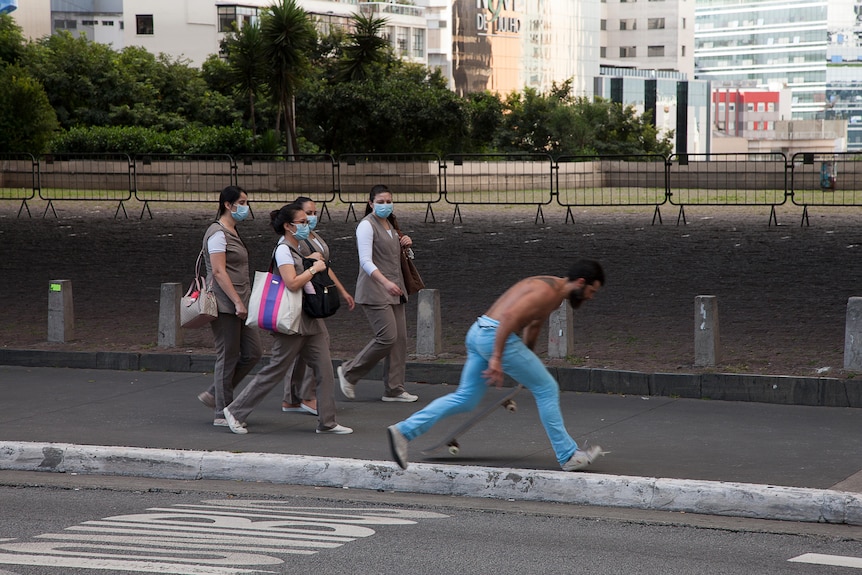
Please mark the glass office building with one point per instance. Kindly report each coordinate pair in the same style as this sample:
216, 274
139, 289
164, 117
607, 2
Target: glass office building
773, 43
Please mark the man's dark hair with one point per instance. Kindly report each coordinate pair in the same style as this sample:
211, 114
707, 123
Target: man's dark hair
590, 270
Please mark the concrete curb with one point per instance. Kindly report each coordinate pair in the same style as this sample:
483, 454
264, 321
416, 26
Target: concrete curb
779, 389
677, 495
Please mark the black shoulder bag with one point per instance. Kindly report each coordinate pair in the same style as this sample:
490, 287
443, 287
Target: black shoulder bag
325, 301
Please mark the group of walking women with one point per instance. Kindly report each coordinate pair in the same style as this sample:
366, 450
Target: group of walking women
302, 362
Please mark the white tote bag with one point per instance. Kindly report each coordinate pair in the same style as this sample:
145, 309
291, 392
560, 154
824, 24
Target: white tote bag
273, 307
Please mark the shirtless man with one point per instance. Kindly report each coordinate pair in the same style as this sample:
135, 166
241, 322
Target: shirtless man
494, 348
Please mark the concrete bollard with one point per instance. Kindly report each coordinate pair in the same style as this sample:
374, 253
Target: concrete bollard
170, 331
429, 336
853, 335
707, 348
561, 342
61, 313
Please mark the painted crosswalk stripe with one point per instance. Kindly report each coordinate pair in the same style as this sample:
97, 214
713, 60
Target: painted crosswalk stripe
833, 560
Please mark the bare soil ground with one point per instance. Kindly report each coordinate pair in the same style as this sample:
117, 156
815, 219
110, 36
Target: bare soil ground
782, 290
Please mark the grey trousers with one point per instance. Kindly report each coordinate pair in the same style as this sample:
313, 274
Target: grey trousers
389, 323
300, 383
238, 350
314, 351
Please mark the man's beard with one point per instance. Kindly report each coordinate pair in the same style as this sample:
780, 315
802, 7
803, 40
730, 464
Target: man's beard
576, 298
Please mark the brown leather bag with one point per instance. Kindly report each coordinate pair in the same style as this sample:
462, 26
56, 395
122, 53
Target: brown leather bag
412, 280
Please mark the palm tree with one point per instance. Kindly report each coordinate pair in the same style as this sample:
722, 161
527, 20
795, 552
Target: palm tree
288, 38
366, 47
248, 67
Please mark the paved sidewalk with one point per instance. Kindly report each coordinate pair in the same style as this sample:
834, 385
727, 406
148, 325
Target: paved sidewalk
721, 457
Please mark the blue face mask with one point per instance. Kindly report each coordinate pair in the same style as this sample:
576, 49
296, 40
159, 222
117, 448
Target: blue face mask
383, 210
241, 213
301, 232
312, 222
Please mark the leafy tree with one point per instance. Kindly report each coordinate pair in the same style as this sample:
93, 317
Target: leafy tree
27, 120
485, 113
248, 69
74, 73
365, 49
558, 124
407, 109
288, 38
11, 41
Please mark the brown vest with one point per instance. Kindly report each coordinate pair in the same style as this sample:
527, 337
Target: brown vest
386, 255
236, 264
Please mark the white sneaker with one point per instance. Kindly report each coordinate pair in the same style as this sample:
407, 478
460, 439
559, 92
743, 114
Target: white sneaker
582, 459
402, 397
398, 446
337, 430
234, 425
347, 388
222, 422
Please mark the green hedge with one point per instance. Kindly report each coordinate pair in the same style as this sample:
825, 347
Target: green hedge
134, 140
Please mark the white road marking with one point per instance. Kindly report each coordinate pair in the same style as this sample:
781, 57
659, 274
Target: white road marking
219, 537
833, 560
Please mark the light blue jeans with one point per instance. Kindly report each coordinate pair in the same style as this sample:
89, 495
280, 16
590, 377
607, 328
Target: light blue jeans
521, 364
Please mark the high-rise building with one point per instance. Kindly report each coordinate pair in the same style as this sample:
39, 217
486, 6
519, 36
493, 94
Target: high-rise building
844, 68
772, 43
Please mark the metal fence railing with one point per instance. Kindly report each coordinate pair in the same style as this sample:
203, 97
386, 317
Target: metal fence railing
586, 181
681, 180
86, 177
825, 180
181, 178
727, 180
414, 177
281, 179
19, 179
505, 179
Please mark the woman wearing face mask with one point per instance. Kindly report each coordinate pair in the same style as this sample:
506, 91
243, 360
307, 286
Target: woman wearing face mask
311, 344
381, 293
300, 395
237, 346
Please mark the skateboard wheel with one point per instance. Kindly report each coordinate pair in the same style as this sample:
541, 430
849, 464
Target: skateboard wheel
453, 449
511, 406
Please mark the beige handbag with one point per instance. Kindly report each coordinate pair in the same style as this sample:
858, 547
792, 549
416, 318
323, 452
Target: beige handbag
199, 306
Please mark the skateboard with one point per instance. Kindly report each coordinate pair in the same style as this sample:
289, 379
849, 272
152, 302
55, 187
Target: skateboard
451, 440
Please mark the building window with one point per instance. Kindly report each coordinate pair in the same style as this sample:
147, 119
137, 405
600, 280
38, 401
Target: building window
603, 24
628, 52
418, 43
401, 39
65, 24
683, 23
144, 24
655, 23
761, 107
228, 16
749, 107
653, 51
629, 24
770, 107
89, 22
682, 53
107, 22
603, 52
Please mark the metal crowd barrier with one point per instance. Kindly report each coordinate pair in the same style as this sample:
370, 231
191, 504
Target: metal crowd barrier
808, 179
727, 180
414, 177
634, 180
504, 179
181, 178
19, 179
825, 180
86, 177
281, 178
